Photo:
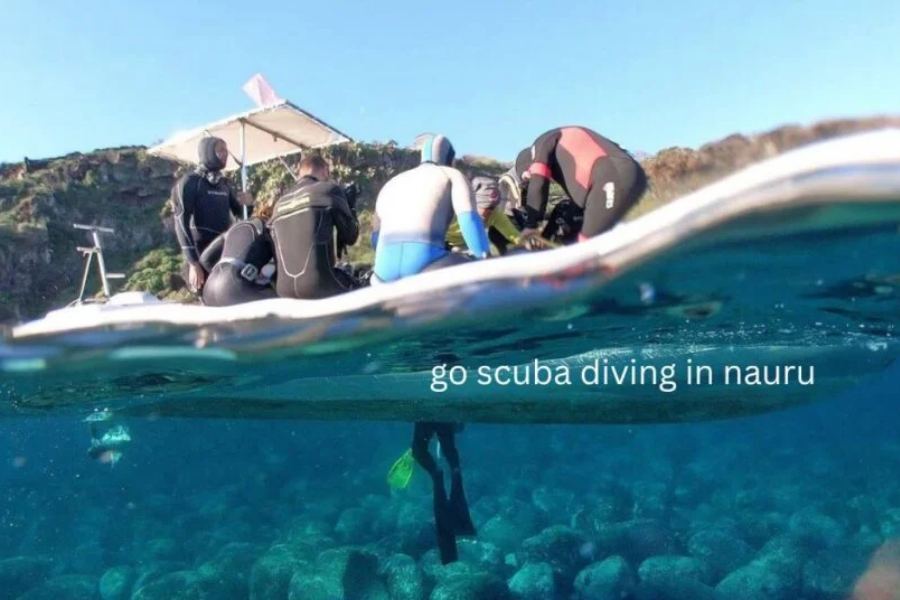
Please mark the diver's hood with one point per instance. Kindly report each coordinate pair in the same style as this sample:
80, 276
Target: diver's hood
206, 152
437, 149
487, 192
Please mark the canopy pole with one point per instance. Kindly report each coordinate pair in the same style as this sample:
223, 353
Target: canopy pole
243, 167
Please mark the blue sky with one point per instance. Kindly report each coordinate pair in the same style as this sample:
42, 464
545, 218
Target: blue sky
490, 75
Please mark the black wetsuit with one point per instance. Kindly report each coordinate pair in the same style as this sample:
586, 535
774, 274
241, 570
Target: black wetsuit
203, 202
233, 261
303, 228
596, 173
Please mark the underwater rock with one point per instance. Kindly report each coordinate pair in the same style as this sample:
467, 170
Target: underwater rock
675, 589
512, 526
759, 581
181, 585
817, 528
651, 500
354, 526
270, 576
476, 586
723, 553
162, 549
153, 571
227, 575
830, 575
557, 504
21, 573
890, 523
785, 553
117, 582
757, 528
637, 540
864, 511
434, 572
560, 547
343, 573
534, 581
70, 587
597, 514
611, 579
482, 556
411, 514
303, 527
660, 569
87, 559
403, 578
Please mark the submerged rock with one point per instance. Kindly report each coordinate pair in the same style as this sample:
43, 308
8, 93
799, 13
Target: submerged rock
637, 540
611, 579
162, 549
153, 571
87, 559
758, 581
227, 575
343, 573
890, 523
477, 586
660, 569
22, 573
560, 547
435, 572
534, 581
676, 589
354, 526
557, 504
70, 587
404, 579
816, 528
723, 553
117, 583
270, 576
181, 585
831, 574
482, 556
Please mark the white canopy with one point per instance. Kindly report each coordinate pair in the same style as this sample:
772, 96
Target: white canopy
268, 132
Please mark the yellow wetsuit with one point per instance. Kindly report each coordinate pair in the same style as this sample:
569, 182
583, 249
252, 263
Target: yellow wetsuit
496, 219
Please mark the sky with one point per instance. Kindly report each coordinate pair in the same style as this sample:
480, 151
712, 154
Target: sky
492, 76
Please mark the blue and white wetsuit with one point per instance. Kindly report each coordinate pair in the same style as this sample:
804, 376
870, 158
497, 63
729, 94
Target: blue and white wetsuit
414, 210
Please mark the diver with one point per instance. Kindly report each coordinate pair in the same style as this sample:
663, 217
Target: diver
237, 263
308, 226
501, 231
600, 177
413, 213
203, 202
451, 515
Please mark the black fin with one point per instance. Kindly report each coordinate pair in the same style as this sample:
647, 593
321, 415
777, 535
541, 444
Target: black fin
444, 523
460, 507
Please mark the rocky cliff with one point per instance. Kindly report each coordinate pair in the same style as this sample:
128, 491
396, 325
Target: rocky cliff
128, 190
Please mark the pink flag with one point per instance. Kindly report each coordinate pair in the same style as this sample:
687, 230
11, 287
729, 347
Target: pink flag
260, 91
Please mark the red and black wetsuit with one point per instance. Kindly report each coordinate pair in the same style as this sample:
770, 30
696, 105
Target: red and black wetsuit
596, 173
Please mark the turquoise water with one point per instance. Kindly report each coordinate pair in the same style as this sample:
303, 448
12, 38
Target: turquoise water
796, 504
